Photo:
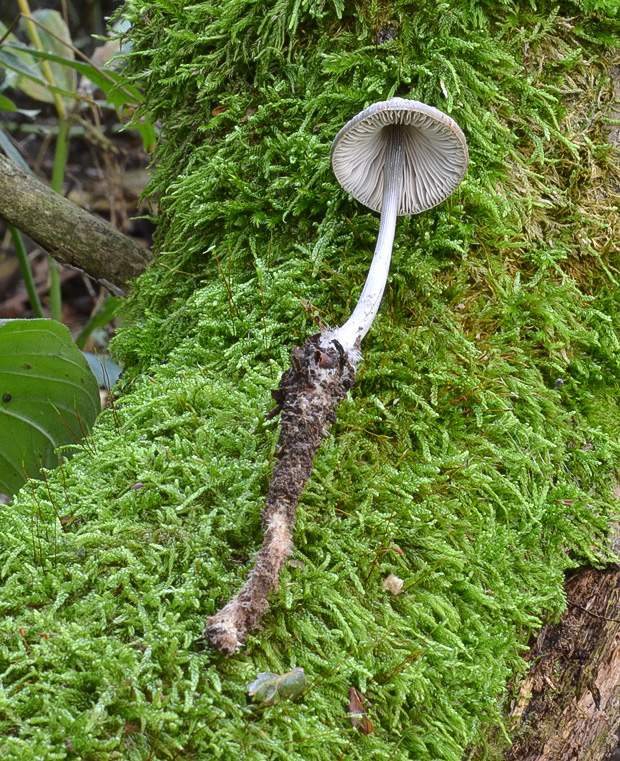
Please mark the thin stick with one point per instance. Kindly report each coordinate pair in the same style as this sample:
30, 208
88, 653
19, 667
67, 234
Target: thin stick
318, 379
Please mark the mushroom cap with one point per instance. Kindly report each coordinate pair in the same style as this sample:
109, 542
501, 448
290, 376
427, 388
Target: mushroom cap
435, 154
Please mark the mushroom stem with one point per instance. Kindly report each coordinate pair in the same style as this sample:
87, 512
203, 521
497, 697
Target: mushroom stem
350, 335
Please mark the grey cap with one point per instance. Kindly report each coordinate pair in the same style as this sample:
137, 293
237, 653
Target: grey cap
435, 154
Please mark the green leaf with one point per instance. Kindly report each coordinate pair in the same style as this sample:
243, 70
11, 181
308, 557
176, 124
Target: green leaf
108, 81
48, 397
118, 94
15, 59
106, 312
8, 38
6, 104
56, 39
11, 58
147, 133
11, 151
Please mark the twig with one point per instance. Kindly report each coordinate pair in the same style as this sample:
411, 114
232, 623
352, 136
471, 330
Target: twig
591, 613
319, 377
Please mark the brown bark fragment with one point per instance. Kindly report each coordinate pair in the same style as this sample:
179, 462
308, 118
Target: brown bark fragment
308, 393
67, 232
568, 707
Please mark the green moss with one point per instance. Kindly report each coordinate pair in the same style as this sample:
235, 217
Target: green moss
456, 445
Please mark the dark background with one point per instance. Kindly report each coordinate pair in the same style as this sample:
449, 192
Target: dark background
106, 170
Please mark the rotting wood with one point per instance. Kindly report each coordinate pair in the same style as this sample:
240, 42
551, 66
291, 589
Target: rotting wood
67, 232
568, 706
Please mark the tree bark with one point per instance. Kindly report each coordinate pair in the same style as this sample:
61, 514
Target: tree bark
67, 232
568, 707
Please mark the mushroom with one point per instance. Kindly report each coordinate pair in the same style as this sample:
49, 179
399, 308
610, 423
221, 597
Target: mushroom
397, 157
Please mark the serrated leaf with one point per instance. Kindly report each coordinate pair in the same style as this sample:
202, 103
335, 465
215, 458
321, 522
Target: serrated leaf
48, 397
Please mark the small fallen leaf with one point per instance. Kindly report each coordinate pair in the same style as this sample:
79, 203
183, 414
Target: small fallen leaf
264, 687
357, 709
268, 686
393, 584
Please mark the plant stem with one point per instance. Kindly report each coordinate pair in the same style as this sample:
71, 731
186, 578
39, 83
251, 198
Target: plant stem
54, 288
61, 151
24, 265
58, 173
350, 335
60, 155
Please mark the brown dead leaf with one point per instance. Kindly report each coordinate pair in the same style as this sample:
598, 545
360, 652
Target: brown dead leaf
357, 709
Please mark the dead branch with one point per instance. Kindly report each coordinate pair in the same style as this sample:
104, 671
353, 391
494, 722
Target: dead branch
67, 232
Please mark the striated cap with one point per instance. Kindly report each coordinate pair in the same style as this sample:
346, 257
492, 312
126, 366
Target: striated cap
435, 154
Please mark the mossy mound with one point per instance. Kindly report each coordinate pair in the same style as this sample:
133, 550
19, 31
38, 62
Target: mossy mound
458, 463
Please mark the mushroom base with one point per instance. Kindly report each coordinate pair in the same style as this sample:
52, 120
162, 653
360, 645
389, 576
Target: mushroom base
320, 376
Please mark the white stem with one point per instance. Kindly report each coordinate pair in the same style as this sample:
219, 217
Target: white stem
350, 335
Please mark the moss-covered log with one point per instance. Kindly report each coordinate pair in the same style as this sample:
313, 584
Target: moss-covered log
458, 462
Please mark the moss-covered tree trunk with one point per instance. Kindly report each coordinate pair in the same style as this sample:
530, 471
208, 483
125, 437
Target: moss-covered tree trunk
567, 707
474, 458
